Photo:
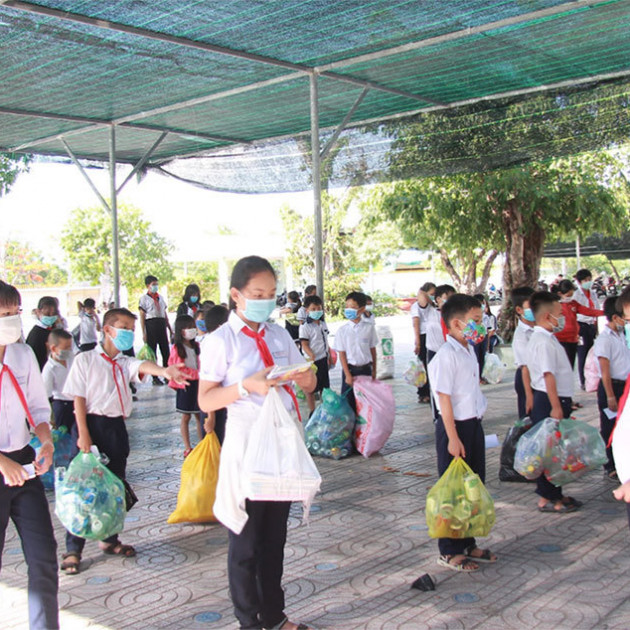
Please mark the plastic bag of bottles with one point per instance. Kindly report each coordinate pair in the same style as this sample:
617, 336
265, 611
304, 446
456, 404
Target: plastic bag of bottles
493, 369
146, 353
579, 449
458, 505
64, 448
328, 431
508, 451
89, 498
415, 374
534, 448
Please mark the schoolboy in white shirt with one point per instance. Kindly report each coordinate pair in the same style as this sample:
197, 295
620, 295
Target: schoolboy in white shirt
421, 310
523, 333
613, 359
301, 315
356, 343
55, 374
89, 325
22, 498
99, 382
552, 385
368, 314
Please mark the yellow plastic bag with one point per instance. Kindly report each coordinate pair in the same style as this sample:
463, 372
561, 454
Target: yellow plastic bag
458, 505
197, 491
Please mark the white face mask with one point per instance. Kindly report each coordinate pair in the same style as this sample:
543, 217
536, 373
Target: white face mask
10, 329
189, 333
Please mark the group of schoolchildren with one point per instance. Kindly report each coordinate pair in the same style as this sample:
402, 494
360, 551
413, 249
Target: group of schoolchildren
552, 328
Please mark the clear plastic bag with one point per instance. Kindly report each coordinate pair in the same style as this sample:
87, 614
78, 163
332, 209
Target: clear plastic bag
64, 448
458, 505
89, 498
534, 448
146, 353
415, 374
328, 431
493, 369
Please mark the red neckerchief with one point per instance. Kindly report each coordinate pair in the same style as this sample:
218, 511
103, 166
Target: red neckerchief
155, 297
122, 376
444, 328
587, 293
620, 406
18, 390
267, 358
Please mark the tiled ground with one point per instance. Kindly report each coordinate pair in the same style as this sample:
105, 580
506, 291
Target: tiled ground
352, 567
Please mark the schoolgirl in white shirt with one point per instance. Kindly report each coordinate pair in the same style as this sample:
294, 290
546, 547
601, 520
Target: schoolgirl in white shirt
22, 497
235, 361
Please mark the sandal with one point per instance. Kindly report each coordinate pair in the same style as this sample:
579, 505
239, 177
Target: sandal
485, 556
465, 566
187, 452
71, 563
285, 621
572, 502
118, 549
550, 506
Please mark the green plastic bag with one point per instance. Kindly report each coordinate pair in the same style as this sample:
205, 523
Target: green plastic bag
458, 505
89, 498
146, 354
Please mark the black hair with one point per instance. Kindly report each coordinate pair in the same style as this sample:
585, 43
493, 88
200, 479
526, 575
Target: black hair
368, 298
313, 299
47, 301
9, 295
442, 289
583, 274
89, 303
150, 280
458, 305
612, 308
295, 296
564, 286
520, 295
206, 305
311, 288
114, 314
541, 299
243, 271
485, 304
624, 298
181, 323
56, 335
190, 290
427, 286
215, 317
358, 297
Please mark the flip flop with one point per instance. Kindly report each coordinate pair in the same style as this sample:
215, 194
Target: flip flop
550, 506
486, 555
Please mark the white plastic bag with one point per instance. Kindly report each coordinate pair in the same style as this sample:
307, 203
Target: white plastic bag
277, 465
385, 367
376, 411
493, 369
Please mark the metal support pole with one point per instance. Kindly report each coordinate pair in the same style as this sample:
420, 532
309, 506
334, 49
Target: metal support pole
317, 192
143, 160
114, 208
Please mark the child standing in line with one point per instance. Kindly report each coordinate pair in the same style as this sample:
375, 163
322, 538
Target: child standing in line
99, 382
89, 325
523, 333
310, 289
421, 312
290, 310
454, 374
613, 358
587, 323
186, 350
47, 316
552, 385
356, 343
22, 497
368, 314
55, 374
314, 339
436, 329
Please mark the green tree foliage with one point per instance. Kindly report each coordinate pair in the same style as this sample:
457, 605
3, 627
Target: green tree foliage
24, 266
10, 167
87, 240
204, 274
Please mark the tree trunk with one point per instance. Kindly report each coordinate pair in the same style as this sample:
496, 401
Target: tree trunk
523, 254
615, 271
487, 268
448, 265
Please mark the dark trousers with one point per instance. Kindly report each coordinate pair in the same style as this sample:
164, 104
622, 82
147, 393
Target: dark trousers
519, 387
255, 565
157, 337
63, 412
605, 425
355, 370
540, 411
434, 412
110, 436
588, 332
571, 350
323, 378
27, 507
470, 432
425, 390
480, 351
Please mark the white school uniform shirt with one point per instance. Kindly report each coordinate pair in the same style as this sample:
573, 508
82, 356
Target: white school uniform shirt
14, 428
545, 354
435, 336
489, 321
522, 335
150, 308
371, 320
454, 371
356, 340
317, 337
580, 296
55, 375
227, 357
92, 377
87, 328
422, 314
612, 345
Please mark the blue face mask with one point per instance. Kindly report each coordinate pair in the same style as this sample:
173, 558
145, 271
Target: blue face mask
587, 285
123, 339
528, 315
193, 299
351, 313
201, 326
258, 310
627, 329
153, 288
315, 314
48, 320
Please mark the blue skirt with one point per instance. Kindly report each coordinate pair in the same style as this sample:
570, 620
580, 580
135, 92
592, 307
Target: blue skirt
186, 399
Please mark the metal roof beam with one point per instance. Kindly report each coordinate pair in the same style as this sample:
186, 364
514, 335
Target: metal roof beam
342, 125
147, 154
